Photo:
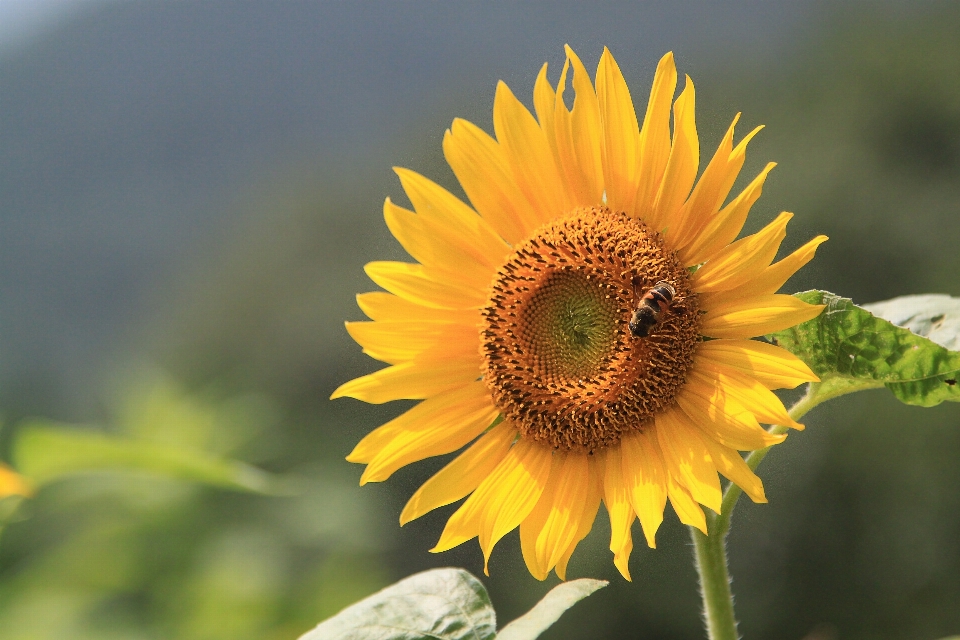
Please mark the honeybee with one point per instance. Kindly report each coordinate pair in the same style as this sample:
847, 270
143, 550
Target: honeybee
651, 307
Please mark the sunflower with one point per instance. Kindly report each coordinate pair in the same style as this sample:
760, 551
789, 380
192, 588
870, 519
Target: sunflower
513, 326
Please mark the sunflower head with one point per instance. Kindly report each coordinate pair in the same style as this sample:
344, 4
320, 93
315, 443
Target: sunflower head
583, 327
558, 356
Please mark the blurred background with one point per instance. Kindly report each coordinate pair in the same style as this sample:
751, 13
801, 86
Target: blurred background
189, 190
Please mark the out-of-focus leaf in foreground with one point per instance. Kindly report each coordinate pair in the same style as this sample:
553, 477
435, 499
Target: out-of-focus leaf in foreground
444, 604
549, 610
852, 349
45, 451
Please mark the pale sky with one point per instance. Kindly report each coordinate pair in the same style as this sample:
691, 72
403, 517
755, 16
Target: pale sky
20, 20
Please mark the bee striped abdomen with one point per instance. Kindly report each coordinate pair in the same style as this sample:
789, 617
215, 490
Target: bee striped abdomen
653, 303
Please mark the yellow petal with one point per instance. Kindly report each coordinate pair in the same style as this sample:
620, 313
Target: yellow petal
455, 431
682, 165
412, 380
588, 514
462, 475
417, 283
749, 393
544, 98
13, 484
483, 172
687, 459
395, 342
685, 506
756, 316
775, 275
655, 136
773, 366
645, 479
429, 247
533, 524
772, 278
445, 216
722, 419
386, 307
732, 466
553, 524
710, 192
741, 261
736, 160
622, 515
726, 225
558, 127
434, 427
544, 103
582, 160
621, 136
528, 155
502, 501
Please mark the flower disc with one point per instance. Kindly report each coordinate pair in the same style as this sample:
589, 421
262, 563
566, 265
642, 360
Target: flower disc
558, 355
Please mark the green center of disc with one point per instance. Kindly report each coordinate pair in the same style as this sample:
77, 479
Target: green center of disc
570, 325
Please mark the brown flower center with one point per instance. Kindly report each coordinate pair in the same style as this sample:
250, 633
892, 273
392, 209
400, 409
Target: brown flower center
558, 353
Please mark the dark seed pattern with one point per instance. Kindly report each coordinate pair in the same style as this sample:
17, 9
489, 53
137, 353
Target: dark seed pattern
558, 355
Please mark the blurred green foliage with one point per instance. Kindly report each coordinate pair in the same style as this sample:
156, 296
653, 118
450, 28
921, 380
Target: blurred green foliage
131, 535
860, 539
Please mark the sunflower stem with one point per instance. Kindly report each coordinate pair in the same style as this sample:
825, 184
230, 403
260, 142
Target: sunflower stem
711, 551
711, 556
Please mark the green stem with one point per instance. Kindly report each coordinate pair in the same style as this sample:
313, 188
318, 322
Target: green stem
711, 554
711, 550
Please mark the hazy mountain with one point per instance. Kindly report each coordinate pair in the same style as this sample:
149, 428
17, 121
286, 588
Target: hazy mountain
129, 133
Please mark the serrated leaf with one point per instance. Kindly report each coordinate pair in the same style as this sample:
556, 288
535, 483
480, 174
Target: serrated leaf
44, 452
441, 604
549, 609
852, 349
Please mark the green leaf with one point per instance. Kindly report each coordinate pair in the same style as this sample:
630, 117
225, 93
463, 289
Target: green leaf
447, 604
549, 610
934, 315
852, 349
45, 452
